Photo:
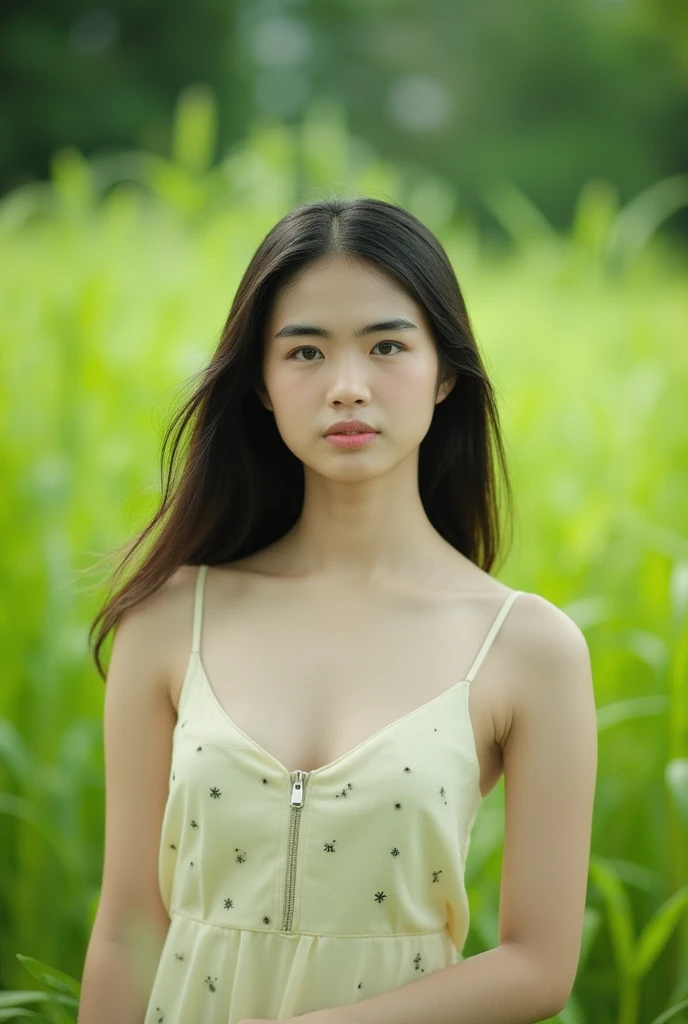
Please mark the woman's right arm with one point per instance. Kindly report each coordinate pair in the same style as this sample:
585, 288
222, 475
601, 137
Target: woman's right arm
131, 922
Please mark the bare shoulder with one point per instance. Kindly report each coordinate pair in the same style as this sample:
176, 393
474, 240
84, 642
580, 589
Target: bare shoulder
160, 626
172, 616
545, 633
167, 600
548, 652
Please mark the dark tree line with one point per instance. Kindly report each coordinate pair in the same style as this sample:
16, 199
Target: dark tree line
546, 94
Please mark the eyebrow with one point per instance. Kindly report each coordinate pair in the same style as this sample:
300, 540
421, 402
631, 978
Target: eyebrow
396, 324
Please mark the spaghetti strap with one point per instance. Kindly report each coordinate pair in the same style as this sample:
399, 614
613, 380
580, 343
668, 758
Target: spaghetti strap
198, 609
494, 629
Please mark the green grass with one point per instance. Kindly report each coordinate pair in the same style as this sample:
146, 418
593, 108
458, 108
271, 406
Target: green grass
115, 279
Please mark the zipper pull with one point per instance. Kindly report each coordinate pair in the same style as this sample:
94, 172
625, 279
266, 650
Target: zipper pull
297, 789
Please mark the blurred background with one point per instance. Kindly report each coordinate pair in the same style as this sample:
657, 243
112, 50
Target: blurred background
545, 94
145, 151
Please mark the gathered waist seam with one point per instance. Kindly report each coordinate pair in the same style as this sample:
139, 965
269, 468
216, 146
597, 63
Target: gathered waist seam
298, 934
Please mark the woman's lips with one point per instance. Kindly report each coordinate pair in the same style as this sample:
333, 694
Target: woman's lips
357, 440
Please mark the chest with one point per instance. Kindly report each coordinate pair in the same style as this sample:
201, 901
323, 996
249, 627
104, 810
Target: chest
309, 679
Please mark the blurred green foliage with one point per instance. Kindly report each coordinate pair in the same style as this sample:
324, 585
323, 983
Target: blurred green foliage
548, 94
115, 279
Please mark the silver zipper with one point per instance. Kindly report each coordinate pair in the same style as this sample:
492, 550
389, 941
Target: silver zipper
296, 802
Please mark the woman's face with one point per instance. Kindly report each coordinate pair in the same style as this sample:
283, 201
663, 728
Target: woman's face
387, 377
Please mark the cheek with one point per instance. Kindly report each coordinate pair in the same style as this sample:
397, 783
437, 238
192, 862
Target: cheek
297, 405
297, 408
287, 390
412, 387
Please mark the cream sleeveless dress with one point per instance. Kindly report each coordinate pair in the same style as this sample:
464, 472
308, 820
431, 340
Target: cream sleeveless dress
290, 892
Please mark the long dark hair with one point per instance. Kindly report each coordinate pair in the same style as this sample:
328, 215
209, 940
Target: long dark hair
240, 487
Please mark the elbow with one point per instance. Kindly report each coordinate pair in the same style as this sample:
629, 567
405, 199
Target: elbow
556, 1006
551, 999
559, 996
562, 995
560, 992
552, 993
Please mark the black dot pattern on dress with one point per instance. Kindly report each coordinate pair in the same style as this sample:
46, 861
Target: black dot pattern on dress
329, 846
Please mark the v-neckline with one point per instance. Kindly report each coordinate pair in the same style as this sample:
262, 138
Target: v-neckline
349, 753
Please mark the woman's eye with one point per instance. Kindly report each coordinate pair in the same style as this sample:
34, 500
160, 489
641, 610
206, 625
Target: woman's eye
311, 348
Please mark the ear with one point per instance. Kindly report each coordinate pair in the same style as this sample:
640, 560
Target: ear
263, 397
446, 386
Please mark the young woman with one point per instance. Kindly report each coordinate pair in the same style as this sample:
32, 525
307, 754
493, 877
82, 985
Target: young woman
315, 680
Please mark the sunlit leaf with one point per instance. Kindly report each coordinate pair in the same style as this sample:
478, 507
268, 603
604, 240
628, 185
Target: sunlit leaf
658, 930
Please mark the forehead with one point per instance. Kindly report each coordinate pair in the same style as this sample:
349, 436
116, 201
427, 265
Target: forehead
344, 292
